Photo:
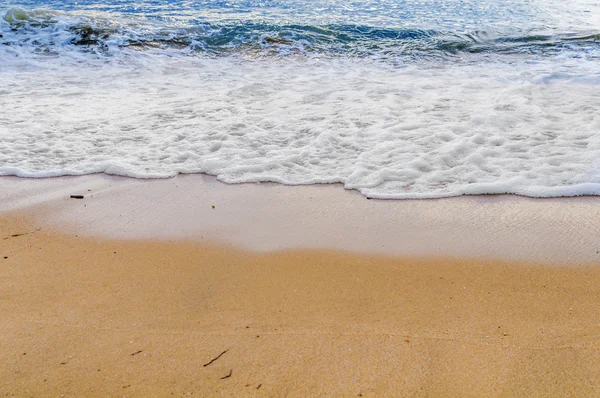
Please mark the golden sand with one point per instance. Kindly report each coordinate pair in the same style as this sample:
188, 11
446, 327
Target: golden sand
95, 317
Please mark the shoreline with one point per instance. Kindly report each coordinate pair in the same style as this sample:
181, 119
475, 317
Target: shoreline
271, 217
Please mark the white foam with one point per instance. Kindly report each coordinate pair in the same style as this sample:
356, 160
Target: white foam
390, 132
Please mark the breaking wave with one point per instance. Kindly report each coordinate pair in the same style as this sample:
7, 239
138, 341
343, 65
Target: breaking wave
53, 33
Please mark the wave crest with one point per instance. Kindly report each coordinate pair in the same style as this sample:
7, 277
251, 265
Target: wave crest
50, 32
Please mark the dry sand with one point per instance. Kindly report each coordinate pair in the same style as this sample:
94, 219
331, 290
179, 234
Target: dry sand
90, 306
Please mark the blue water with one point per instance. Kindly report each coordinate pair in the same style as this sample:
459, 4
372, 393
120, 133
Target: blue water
380, 29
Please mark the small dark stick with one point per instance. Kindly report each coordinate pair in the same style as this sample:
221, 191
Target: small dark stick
21, 234
76, 196
215, 358
227, 376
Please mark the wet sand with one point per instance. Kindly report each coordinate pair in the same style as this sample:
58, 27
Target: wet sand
267, 217
92, 305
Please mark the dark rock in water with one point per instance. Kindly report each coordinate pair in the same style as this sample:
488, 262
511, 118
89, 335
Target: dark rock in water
76, 196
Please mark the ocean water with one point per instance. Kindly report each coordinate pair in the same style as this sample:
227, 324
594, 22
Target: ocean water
396, 99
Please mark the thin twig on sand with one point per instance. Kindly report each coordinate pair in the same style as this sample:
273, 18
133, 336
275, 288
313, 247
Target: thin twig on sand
215, 358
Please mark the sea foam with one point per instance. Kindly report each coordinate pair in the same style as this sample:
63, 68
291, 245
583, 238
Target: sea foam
389, 131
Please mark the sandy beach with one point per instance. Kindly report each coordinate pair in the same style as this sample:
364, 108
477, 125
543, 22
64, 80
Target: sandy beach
299, 198
190, 286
